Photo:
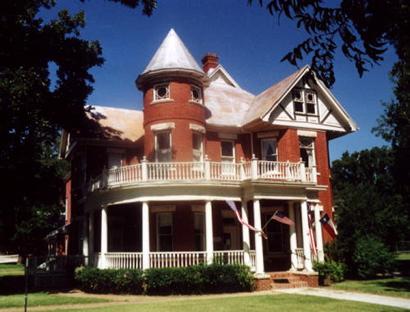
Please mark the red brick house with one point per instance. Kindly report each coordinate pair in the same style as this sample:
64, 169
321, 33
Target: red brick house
150, 188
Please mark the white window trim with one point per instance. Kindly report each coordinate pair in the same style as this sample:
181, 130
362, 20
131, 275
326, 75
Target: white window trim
197, 128
201, 150
156, 142
305, 103
233, 150
154, 93
200, 99
157, 228
276, 146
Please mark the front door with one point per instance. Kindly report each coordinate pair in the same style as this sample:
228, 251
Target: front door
276, 246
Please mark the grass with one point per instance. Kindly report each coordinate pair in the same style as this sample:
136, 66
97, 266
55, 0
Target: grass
396, 286
271, 303
45, 299
7, 269
403, 256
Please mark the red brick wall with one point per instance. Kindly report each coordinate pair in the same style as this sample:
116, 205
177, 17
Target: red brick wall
288, 146
323, 168
178, 110
213, 146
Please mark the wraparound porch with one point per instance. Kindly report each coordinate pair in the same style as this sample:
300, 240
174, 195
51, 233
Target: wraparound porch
189, 233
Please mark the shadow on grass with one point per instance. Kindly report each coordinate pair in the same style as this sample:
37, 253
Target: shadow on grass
401, 284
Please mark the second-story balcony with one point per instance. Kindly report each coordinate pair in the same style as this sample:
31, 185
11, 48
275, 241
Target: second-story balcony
206, 171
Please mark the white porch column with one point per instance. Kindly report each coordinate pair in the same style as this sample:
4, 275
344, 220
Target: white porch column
306, 236
85, 237
318, 232
209, 232
260, 270
91, 238
293, 238
246, 245
145, 236
104, 237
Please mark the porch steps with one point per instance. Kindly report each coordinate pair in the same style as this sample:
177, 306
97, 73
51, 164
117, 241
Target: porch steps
282, 280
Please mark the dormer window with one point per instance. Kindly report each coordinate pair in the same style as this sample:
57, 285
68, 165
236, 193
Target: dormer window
196, 94
161, 92
304, 101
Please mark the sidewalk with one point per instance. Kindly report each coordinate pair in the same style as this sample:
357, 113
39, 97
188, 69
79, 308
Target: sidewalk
352, 296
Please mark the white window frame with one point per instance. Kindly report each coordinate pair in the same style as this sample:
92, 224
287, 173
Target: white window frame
311, 148
158, 226
157, 150
226, 161
155, 95
201, 149
276, 148
199, 100
304, 102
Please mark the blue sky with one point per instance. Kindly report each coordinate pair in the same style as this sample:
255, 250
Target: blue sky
249, 42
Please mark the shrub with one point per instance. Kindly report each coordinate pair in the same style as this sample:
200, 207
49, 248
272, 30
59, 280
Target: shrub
371, 257
118, 281
335, 270
213, 278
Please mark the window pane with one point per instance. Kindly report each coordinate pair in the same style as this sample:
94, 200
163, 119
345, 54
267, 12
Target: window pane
196, 141
298, 107
227, 148
311, 108
269, 150
163, 140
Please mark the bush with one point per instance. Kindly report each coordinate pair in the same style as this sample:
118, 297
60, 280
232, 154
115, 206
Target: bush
371, 257
119, 281
213, 278
335, 270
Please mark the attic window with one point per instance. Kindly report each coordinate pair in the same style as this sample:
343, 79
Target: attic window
196, 94
304, 101
161, 92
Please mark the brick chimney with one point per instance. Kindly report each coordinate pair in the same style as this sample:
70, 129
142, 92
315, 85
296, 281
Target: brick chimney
210, 60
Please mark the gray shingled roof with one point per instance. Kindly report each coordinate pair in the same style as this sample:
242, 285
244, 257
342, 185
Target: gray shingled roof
172, 54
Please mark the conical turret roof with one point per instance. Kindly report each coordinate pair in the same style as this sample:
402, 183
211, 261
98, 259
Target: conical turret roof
172, 54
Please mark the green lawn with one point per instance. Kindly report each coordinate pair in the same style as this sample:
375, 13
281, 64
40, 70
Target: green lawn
403, 256
11, 269
271, 303
44, 299
397, 286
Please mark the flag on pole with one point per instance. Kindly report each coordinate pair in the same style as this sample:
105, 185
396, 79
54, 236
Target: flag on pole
328, 225
312, 237
281, 217
232, 205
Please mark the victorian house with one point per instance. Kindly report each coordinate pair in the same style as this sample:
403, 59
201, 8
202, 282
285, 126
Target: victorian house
151, 188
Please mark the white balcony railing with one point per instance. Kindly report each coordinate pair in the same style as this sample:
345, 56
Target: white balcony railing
170, 259
300, 258
205, 171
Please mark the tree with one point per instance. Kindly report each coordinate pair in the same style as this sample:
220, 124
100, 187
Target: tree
367, 202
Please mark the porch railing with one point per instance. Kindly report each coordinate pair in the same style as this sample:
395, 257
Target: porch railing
300, 258
205, 171
169, 259
176, 259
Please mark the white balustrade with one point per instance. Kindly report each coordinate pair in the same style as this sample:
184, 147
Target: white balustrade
123, 260
203, 171
279, 170
252, 256
229, 256
300, 256
167, 259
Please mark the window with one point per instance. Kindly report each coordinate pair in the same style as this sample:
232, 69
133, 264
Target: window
228, 157
269, 150
115, 159
163, 146
196, 94
197, 146
307, 151
199, 225
161, 92
164, 231
304, 101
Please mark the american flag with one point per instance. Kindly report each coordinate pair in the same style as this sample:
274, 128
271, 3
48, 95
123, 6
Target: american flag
281, 217
232, 205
